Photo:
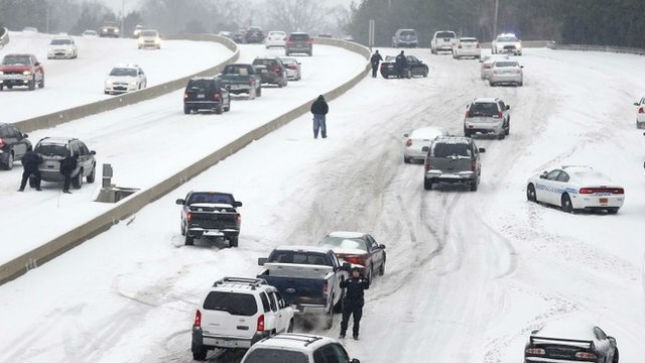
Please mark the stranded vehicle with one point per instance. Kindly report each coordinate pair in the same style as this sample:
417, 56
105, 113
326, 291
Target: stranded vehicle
206, 93
54, 149
241, 78
13, 145
452, 159
487, 116
210, 215
506, 43
416, 67
21, 70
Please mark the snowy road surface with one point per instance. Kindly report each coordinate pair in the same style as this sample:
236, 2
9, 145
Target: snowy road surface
469, 274
75, 82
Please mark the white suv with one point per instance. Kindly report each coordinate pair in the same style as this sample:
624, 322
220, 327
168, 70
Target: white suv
238, 312
62, 47
125, 78
298, 348
443, 40
487, 116
506, 43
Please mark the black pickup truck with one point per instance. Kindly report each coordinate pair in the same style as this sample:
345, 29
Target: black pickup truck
210, 215
241, 78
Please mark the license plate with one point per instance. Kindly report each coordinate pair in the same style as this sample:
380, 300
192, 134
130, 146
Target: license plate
12, 76
603, 200
236, 86
201, 95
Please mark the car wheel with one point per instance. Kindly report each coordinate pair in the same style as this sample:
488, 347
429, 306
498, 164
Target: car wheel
78, 180
1, 87
186, 110
258, 91
612, 210
427, 184
530, 193
473, 185
507, 129
92, 176
42, 83
520, 84
425, 74
228, 107
32, 84
188, 240
233, 241
218, 110
9, 163
466, 133
615, 358
565, 203
502, 135
199, 352
406, 160
381, 270
491, 83
290, 327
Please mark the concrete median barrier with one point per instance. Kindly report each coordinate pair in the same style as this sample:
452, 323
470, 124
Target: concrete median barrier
138, 200
597, 48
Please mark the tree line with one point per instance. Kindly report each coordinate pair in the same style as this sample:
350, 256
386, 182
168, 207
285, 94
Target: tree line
598, 22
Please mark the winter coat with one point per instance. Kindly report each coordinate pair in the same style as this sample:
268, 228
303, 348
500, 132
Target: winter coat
68, 165
401, 61
376, 58
319, 107
31, 161
355, 288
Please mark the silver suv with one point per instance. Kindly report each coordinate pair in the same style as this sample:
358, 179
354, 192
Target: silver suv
299, 43
298, 348
405, 38
452, 159
55, 149
487, 116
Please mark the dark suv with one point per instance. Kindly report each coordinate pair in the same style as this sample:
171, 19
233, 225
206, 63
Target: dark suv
452, 159
13, 145
299, 43
271, 70
254, 34
210, 215
55, 149
206, 93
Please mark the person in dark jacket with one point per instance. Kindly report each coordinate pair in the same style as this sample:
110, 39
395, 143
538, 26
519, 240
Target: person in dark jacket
375, 60
67, 167
401, 63
354, 301
319, 109
30, 164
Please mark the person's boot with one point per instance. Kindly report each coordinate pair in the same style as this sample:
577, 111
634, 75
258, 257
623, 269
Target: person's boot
341, 336
355, 336
21, 189
67, 191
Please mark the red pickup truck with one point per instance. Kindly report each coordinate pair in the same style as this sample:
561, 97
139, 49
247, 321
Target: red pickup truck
21, 70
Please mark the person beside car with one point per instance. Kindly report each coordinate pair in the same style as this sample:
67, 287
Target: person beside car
356, 284
375, 60
319, 109
67, 167
31, 162
401, 64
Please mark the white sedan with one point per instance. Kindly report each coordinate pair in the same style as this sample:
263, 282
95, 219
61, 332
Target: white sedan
466, 47
276, 38
415, 141
125, 78
576, 188
640, 113
506, 72
62, 47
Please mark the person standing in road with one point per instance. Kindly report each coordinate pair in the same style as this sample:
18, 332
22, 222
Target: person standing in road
30, 163
67, 167
354, 301
375, 60
401, 64
319, 109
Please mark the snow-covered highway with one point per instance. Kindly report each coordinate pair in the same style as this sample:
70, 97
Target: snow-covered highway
469, 275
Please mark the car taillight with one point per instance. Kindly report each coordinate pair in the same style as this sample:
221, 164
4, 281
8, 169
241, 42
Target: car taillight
216, 96
325, 288
426, 163
189, 216
2, 143
586, 355
468, 114
473, 165
238, 218
260, 325
185, 95
641, 110
499, 115
198, 319
408, 143
293, 66
355, 260
535, 351
459, 46
601, 190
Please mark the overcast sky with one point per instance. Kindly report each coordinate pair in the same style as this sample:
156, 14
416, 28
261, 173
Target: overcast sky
131, 5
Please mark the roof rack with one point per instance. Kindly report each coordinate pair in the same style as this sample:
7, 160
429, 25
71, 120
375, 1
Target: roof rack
307, 339
253, 282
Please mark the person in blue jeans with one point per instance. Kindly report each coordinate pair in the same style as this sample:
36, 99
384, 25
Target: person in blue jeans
319, 109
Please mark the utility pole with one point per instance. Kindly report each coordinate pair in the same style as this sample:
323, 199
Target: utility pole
123, 18
495, 19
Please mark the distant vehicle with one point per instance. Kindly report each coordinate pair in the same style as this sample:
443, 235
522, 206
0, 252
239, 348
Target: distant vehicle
506, 72
54, 149
29, 29
416, 67
325, 35
254, 34
125, 78
206, 93
466, 47
487, 116
13, 145
308, 278
293, 68
416, 140
576, 188
569, 341
276, 38
236, 313
110, 30
211, 215
137, 30
297, 348
299, 42
452, 159
149, 38
62, 47
487, 64
238, 36
359, 249
225, 34
241, 78
90, 34
640, 113
18, 70
271, 70
507, 43
443, 40
405, 38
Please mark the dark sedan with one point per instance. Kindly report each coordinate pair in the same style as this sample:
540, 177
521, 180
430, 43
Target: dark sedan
13, 145
359, 249
415, 67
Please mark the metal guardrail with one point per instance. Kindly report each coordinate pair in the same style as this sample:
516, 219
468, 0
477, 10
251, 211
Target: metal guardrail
121, 210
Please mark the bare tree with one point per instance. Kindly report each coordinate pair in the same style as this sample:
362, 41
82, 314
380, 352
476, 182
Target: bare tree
295, 15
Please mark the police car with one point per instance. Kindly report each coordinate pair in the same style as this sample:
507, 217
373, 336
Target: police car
576, 188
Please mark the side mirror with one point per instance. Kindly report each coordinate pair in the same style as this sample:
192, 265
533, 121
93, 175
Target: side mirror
37, 64
425, 149
25, 136
262, 261
381, 246
406, 135
636, 104
93, 152
180, 202
482, 150
508, 107
237, 203
543, 175
521, 66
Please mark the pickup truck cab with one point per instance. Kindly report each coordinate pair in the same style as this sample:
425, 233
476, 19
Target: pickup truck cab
308, 278
21, 70
210, 215
241, 78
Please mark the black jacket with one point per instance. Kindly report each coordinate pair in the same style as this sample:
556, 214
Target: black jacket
401, 61
31, 161
319, 107
376, 58
355, 288
68, 165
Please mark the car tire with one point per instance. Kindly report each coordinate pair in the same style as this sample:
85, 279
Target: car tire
290, 326
8, 165
199, 352
92, 176
565, 203
42, 83
381, 270
406, 160
616, 357
1, 87
520, 84
492, 84
612, 210
531, 196
188, 240
218, 110
258, 91
474, 185
32, 84
425, 74
427, 184
77, 182
466, 133
187, 110
233, 241
228, 107
502, 136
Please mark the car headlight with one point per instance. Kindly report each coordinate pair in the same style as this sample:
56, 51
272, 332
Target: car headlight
140, 40
1, 73
133, 83
27, 73
116, 30
108, 82
519, 45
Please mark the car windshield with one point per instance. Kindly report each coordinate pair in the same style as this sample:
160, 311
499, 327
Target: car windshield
267, 355
60, 41
16, 59
506, 38
408, 33
266, 62
487, 109
130, 72
348, 243
211, 198
237, 69
442, 150
299, 37
288, 61
446, 35
506, 64
277, 33
232, 303
299, 257
468, 40
52, 150
149, 33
